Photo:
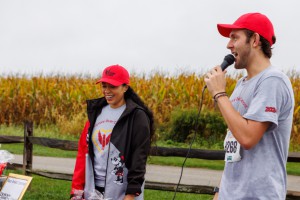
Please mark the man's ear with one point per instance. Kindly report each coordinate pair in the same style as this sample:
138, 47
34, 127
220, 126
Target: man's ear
256, 40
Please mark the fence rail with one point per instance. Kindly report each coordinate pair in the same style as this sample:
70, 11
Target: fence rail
155, 151
29, 140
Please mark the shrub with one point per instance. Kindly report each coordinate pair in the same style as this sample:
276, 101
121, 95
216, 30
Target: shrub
211, 127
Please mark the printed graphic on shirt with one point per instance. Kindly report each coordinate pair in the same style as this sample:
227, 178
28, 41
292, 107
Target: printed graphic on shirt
117, 173
101, 139
241, 100
271, 109
118, 162
102, 133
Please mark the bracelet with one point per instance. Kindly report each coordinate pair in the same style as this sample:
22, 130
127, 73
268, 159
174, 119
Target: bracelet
218, 95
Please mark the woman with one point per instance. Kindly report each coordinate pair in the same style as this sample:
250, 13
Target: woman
117, 138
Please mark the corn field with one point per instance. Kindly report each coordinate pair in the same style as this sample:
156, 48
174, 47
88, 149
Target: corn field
60, 100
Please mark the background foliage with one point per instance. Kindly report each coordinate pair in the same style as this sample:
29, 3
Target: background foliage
60, 101
210, 127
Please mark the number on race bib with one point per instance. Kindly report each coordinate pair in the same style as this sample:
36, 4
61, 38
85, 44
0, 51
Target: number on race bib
231, 146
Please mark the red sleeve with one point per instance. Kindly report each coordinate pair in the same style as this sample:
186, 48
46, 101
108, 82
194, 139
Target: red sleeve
79, 170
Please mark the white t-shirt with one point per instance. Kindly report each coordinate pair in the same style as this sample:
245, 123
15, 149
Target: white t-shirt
101, 137
259, 173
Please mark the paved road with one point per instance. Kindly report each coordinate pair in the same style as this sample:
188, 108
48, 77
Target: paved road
157, 173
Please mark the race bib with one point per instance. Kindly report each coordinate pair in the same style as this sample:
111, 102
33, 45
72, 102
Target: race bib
232, 148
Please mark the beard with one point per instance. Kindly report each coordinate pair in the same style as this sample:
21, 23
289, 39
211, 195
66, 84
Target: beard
243, 57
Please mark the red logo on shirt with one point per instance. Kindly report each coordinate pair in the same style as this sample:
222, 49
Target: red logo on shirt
271, 109
103, 139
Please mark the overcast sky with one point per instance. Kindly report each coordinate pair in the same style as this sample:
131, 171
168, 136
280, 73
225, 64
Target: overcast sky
170, 36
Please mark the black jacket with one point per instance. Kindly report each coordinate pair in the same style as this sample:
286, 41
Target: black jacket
128, 149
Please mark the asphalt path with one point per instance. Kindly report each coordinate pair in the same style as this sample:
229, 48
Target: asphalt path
155, 173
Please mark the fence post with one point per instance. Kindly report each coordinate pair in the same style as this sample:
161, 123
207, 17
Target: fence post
27, 151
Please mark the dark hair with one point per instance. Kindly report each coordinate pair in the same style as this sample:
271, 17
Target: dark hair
265, 44
130, 93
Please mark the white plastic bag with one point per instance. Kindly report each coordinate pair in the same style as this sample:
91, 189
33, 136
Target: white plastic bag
5, 156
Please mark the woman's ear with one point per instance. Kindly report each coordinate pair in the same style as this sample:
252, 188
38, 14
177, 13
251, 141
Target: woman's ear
125, 87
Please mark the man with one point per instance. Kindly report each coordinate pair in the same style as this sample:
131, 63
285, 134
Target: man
258, 114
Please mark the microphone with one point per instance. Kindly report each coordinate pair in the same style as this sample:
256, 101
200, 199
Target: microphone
228, 60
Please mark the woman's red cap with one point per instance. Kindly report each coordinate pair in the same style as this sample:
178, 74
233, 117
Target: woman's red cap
115, 75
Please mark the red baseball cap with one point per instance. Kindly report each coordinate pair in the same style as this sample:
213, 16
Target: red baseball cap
115, 75
256, 22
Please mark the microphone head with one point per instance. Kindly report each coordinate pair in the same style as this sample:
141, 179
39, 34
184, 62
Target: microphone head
229, 59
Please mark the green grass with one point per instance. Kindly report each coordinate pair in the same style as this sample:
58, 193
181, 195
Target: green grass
46, 188
49, 131
161, 195
191, 162
196, 144
39, 150
293, 168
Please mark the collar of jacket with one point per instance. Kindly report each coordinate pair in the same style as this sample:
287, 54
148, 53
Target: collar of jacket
94, 107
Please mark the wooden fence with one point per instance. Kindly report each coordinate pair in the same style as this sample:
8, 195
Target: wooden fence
29, 140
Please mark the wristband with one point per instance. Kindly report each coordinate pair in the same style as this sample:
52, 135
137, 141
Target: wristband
220, 94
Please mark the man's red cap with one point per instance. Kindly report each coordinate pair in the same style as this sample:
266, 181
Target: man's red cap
115, 75
256, 22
